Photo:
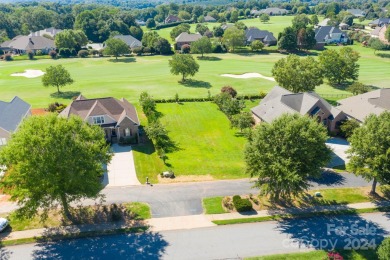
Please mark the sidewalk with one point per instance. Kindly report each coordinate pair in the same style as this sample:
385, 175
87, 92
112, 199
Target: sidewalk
180, 222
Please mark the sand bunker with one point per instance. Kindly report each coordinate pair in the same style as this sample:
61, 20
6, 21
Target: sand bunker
29, 74
248, 76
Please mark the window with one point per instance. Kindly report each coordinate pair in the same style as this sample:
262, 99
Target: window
127, 132
98, 120
3, 141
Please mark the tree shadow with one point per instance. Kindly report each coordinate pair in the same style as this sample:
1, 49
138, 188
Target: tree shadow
329, 178
250, 54
327, 230
208, 58
123, 60
145, 148
193, 83
66, 94
383, 55
147, 245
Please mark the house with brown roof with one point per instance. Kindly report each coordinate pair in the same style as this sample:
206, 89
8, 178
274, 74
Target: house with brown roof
280, 101
118, 118
186, 38
172, 19
360, 106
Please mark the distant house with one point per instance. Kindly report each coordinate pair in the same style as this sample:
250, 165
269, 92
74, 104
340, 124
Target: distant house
186, 38
329, 35
255, 13
95, 46
11, 115
21, 44
273, 11
280, 101
172, 19
209, 19
52, 32
360, 106
129, 40
118, 118
140, 23
379, 22
356, 12
379, 32
266, 37
226, 26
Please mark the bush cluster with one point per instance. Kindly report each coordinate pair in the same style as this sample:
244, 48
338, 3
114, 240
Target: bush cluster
167, 25
173, 100
56, 107
7, 57
242, 205
83, 53
53, 54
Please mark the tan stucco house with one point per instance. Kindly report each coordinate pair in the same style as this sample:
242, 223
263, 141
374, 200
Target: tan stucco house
118, 118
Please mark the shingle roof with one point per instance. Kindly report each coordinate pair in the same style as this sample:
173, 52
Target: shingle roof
380, 21
116, 109
129, 40
209, 18
188, 37
172, 18
356, 12
274, 10
12, 113
31, 43
324, 32
49, 31
280, 101
360, 106
253, 33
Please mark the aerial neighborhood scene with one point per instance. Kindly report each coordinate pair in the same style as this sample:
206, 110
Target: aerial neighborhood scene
195, 129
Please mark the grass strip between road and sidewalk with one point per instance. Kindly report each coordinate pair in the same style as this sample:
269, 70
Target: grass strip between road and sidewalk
301, 215
73, 236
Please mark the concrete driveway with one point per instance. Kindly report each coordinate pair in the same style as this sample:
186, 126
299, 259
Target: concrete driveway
339, 147
121, 170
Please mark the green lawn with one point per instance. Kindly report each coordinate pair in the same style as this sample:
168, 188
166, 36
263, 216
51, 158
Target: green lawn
213, 205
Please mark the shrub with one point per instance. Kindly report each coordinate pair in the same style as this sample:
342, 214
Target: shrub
30, 55
227, 203
218, 48
56, 107
384, 250
93, 52
53, 54
39, 53
83, 53
116, 213
242, 205
65, 52
8, 57
230, 90
185, 48
138, 51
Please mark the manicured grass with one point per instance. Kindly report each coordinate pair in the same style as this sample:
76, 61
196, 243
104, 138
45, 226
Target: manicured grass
342, 195
142, 210
369, 254
213, 205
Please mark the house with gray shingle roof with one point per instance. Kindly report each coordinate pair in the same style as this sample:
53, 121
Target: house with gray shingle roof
209, 19
118, 118
266, 37
52, 32
129, 40
274, 11
356, 12
11, 115
379, 22
329, 35
280, 101
186, 38
22, 44
360, 106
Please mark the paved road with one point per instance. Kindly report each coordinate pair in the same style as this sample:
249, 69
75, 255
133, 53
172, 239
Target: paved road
185, 199
223, 242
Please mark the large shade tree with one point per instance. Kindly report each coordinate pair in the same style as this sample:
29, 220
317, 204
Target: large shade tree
370, 150
284, 154
56, 76
203, 45
58, 165
71, 39
298, 74
183, 64
116, 47
234, 38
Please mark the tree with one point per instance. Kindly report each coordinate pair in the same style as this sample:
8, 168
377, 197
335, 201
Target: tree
203, 45
264, 17
229, 105
183, 64
230, 90
71, 39
387, 34
150, 23
340, 65
56, 76
306, 38
116, 47
176, 31
147, 103
357, 88
383, 250
201, 28
234, 37
347, 127
284, 154
370, 148
257, 45
242, 121
184, 15
234, 16
348, 19
377, 44
298, 74
162, 46
218, 31
150, 38
314, 19
60, 165
287, 40
240, 25
136, 32
300, 21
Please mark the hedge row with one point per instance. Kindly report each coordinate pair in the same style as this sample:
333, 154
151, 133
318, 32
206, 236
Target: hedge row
167, 25
173, 100
241, 205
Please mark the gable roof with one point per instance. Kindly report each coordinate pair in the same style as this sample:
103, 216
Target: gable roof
360, 106
356, 12
209, 18
226, 26
31, 43
254, 33
12, 113
273, 10
112, 107
188, 37
129, 40
376, 31
172, 18
280, 101
326, 32
49, 31
380, 21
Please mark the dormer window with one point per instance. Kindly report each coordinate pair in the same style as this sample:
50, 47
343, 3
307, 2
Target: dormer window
98, 120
